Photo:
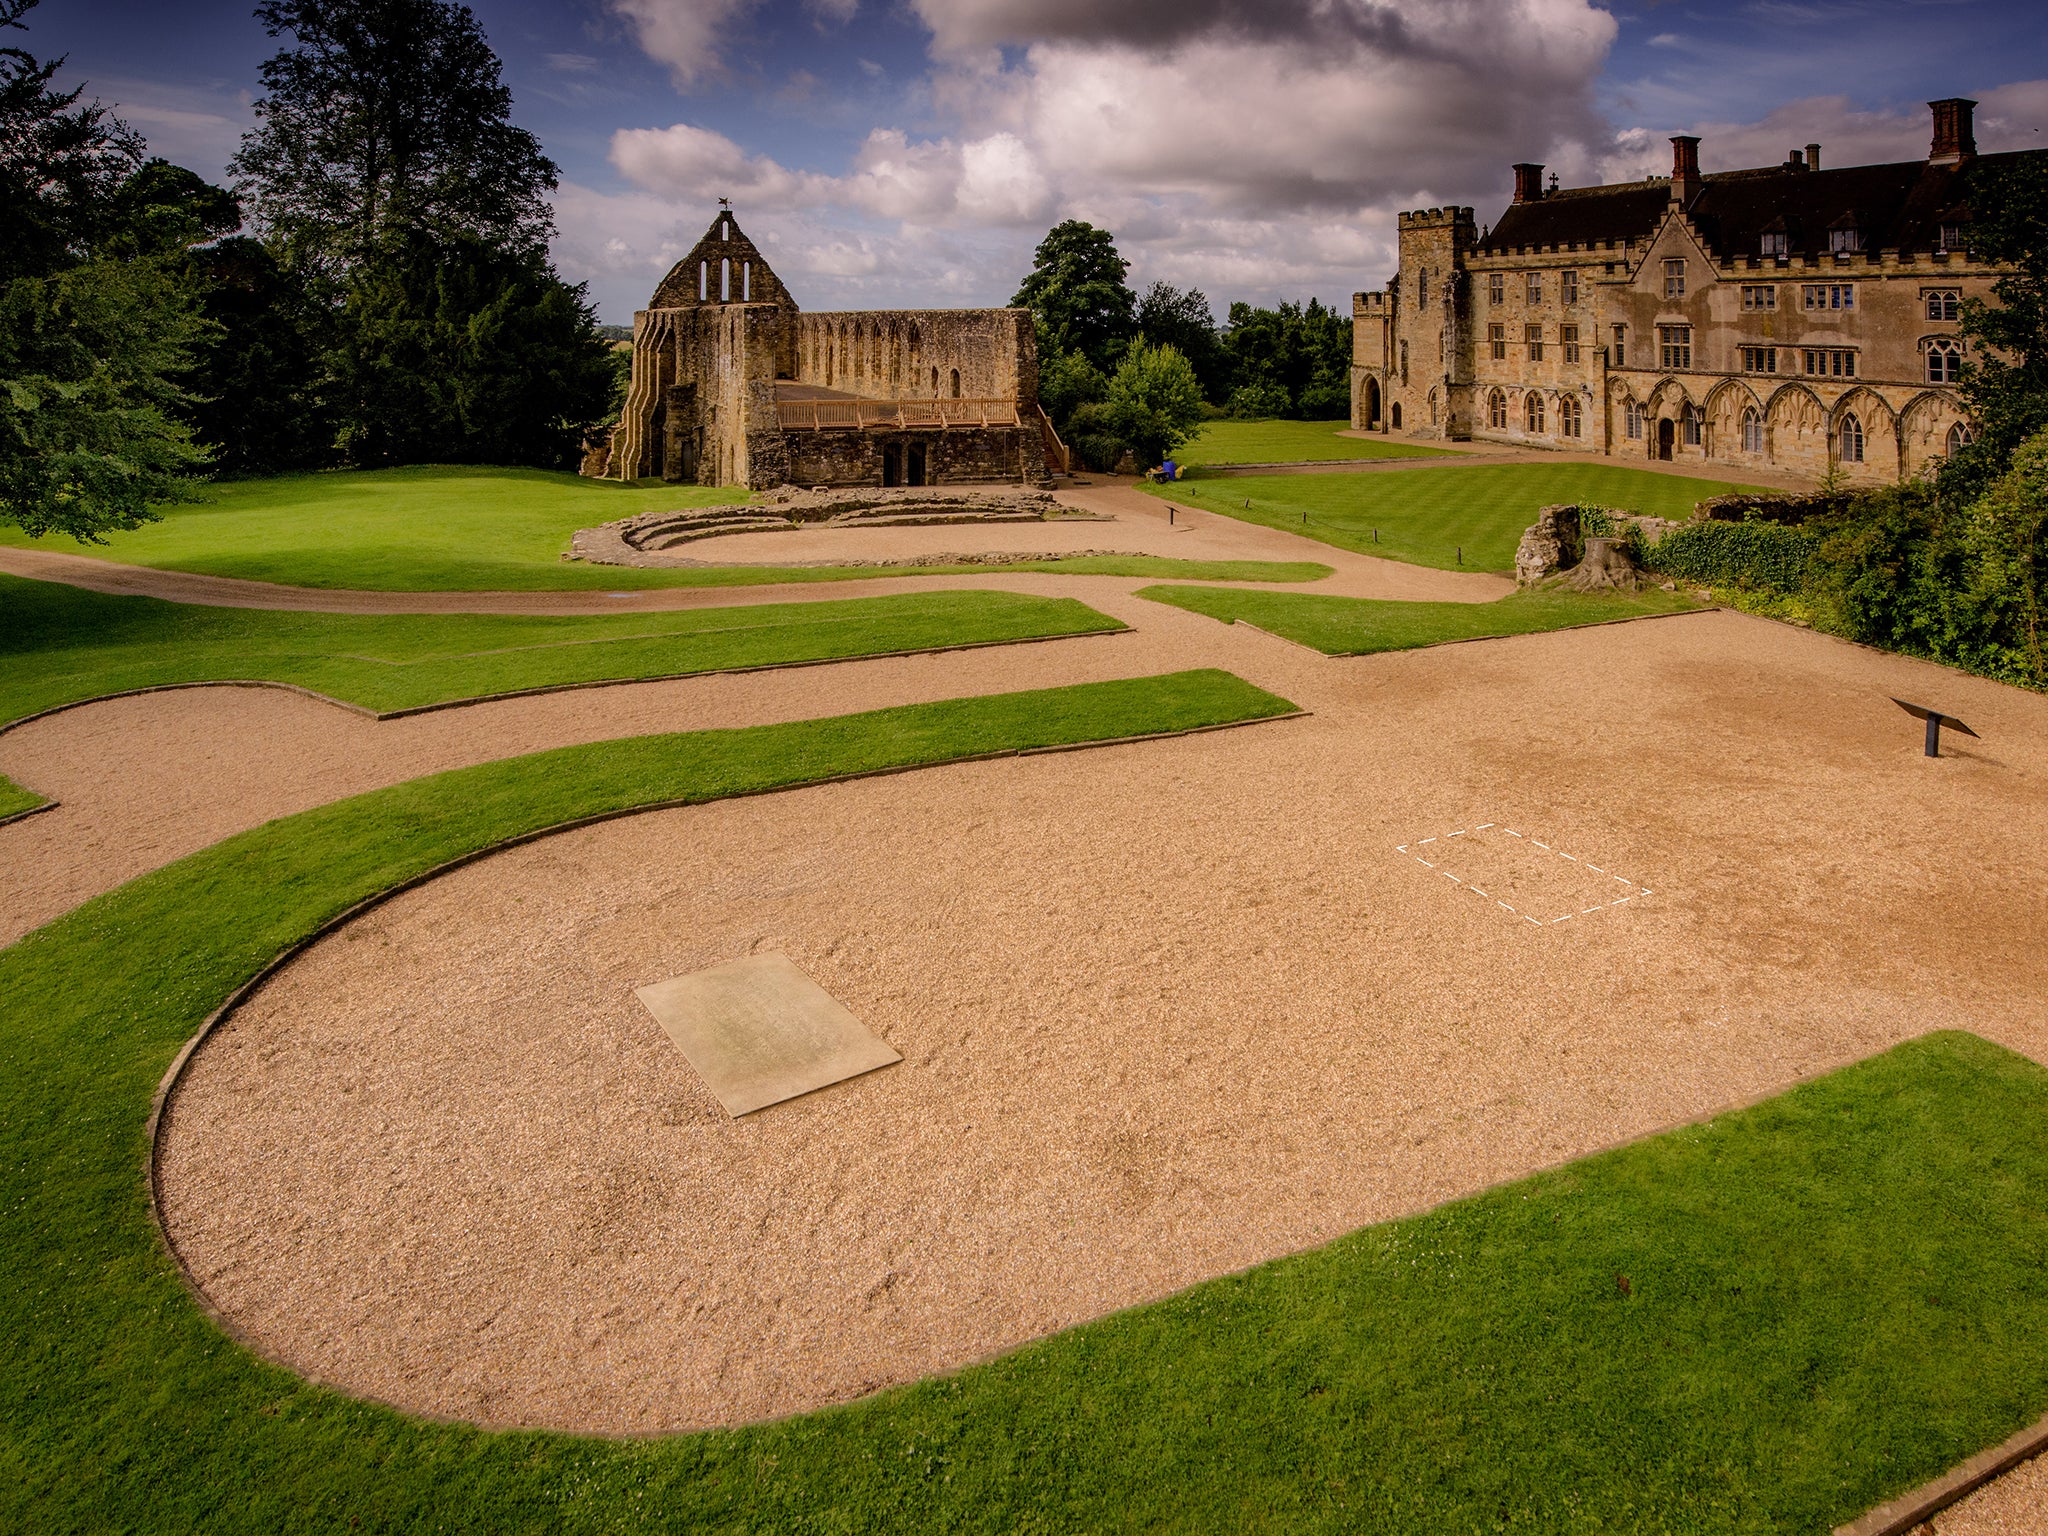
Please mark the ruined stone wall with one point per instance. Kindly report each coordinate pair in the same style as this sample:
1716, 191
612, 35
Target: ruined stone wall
921, 354
954, 456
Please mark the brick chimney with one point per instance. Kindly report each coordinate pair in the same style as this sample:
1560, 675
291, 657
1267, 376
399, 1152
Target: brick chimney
1528, 183
1955, 131
1813, 157
1685, 168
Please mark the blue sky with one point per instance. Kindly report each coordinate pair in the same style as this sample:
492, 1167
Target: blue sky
896, 152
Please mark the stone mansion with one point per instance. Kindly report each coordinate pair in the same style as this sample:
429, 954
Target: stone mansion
1789, 316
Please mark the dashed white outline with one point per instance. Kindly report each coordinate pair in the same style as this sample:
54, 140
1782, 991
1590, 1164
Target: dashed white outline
1634, 889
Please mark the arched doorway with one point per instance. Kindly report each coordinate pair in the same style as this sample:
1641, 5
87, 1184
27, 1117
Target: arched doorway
1369, 404
1394, 415
1667, 436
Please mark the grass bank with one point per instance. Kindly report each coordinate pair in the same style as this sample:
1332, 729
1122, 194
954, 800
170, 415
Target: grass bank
1354, 626
1292, 442
450, 528
1450, 516
1830, 1297
59, 644
14, 799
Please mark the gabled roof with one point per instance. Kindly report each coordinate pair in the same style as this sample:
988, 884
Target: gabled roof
702, 270
1893, 207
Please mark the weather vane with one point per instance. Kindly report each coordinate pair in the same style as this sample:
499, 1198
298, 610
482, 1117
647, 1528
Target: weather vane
725, 203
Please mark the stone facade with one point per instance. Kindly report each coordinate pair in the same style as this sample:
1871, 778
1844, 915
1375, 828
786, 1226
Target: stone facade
732, 385
1790, 317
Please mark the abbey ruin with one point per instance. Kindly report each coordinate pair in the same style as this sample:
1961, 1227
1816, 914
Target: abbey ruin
732, 385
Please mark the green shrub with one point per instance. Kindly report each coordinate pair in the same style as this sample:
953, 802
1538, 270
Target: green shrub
1754, 555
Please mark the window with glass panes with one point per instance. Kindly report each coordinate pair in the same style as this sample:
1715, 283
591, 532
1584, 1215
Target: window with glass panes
1568, 338
1674, 278
1568, 287
1829, 362
1674, 346
1532, 338
1497, 288
1943, 303
1759, 359
1760, 296
1533, 287
1497, 340
1944, 361
1817, 296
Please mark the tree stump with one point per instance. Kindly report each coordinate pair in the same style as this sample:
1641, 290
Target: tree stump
1605, 567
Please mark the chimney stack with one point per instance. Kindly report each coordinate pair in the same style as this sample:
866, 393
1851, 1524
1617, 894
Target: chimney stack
1685, 168
1955, 131
1813, 157
1528, 183
1796, 161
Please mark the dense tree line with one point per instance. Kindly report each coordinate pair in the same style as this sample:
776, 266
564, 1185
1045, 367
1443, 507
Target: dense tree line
1291, 361
373, 289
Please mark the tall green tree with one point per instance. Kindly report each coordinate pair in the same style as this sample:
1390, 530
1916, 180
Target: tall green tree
465, 353
1181, 318
387, 117
2006, 382
96, 328
385, 174
1077, 295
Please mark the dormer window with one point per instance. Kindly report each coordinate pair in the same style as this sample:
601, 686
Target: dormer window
1775, 243
1845, 239
1949, 237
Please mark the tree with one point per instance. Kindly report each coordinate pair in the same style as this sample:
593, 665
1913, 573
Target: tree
90, 428
388, 179
387, 117
1076, 293
60, 163
2006, 382
1066, 382
1298, 355
1154, 401
1169, 317
466, 354
95, 327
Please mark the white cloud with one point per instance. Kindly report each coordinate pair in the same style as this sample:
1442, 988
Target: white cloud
683, 34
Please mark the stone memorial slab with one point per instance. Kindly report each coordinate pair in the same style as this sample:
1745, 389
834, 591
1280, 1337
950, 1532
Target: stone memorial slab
759, 1031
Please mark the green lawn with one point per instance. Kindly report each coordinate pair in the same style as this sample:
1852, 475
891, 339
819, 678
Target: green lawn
1291, 442
1353, 626
1831, 1296
450, 528
1426, 516
60, 644
14, 799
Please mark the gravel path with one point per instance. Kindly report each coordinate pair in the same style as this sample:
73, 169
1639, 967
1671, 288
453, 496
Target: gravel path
1165, 1010
1144, 518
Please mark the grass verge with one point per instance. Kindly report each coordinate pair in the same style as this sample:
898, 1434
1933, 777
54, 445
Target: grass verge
1292, 442
439, 528
1829, 1297
60, 644
1450, 516
14, 799
1356, 626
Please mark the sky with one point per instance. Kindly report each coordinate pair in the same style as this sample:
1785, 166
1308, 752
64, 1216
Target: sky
911, 153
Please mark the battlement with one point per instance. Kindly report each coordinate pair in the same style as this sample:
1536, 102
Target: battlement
1374, 303
1438, 218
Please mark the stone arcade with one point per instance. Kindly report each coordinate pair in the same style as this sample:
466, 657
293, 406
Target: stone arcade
1788, 316
731, 385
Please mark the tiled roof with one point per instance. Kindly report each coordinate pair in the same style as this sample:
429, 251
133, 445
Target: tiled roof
1894, 207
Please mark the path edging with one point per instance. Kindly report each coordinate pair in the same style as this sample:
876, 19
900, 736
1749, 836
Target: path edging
1898, 1516
167, 1086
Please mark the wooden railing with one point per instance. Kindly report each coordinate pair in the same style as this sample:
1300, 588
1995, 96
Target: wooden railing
818, 415
1057, 454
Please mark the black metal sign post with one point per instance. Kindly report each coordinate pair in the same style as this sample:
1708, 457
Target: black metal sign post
1935, 721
